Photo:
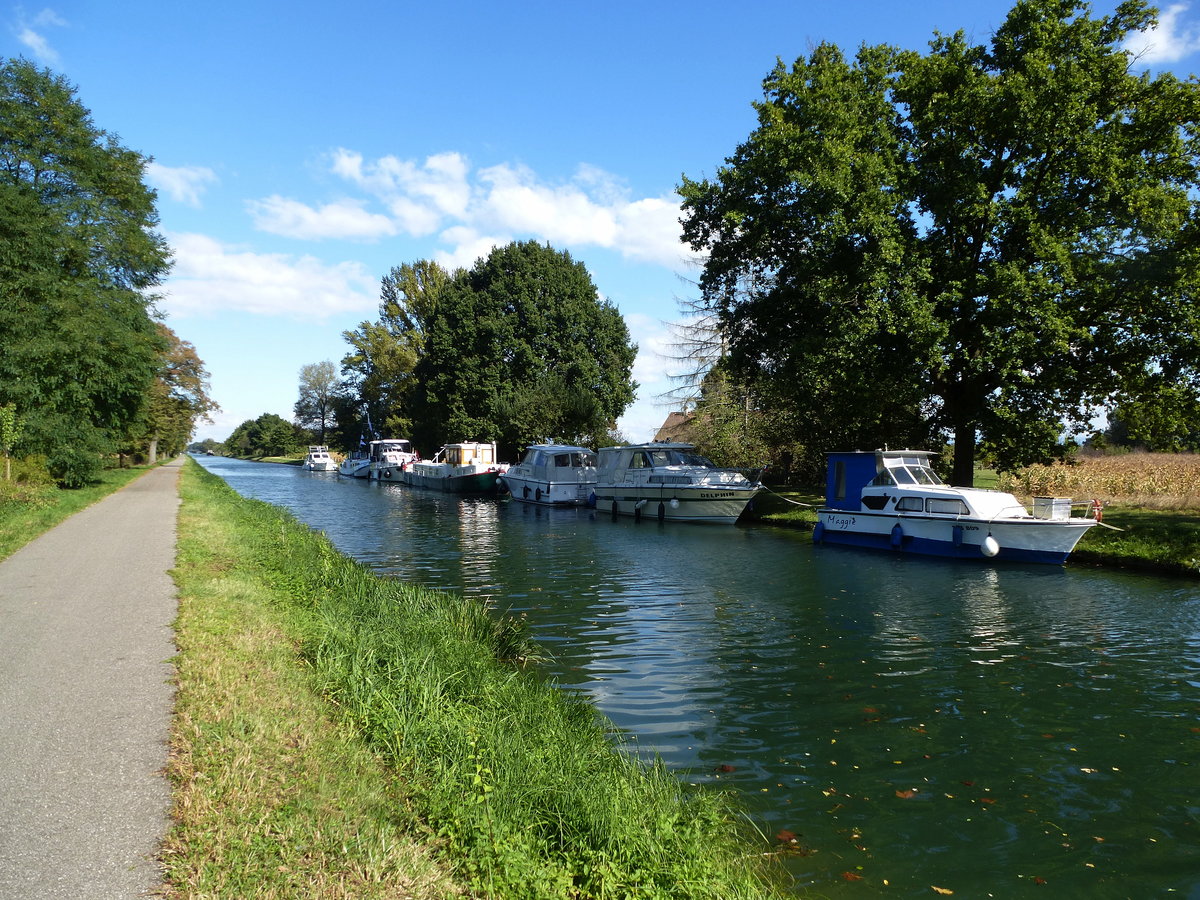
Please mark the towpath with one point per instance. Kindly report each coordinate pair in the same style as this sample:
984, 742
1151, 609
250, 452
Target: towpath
86, 641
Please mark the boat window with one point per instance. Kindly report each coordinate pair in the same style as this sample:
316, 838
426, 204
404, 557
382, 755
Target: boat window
946, 506
587, 459
903, 476
926, 475
839, 480
884, 479
910, 504
562, 460
639, 461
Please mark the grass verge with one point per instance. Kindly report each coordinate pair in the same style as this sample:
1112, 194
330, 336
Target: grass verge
336, 728
28, 511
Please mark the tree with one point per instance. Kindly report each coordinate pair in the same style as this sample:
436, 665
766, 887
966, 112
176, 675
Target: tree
981, 243
178, 398
521, 348
78, 258
319, 388
380, 369
268, 435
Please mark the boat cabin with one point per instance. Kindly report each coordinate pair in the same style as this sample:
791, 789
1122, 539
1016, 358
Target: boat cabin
849, 473
557, 456
381, 449
469, 454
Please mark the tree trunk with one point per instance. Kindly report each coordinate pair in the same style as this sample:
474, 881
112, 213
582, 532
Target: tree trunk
963, 474
153, 451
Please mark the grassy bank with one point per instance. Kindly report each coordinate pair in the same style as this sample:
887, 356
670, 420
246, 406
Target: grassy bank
338, 729
27, 511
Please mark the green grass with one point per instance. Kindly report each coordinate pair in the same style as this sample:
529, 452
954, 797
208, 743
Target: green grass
1153, 539
28, 511
504, 783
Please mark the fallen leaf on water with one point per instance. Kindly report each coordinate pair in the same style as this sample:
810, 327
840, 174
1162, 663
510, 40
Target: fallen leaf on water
726, 767
1038, 879
907, 795
785, 836
852, 876
969, 783
987, 799
938, 890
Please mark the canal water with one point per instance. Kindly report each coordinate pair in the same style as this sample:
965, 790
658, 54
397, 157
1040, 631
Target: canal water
901, 726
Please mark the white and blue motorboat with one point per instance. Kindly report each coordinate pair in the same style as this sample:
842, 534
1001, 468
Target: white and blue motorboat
893, 500
553, 475
357, 464
390, 458
669, 482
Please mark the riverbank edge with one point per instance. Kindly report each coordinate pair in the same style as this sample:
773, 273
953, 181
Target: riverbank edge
508, 785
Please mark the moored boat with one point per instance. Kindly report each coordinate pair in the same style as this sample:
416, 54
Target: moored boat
893, 500
670, 482
357, 464
389, 458
319, 460
553, 475
467, 468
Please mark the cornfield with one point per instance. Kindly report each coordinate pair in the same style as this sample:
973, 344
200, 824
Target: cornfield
1157, 480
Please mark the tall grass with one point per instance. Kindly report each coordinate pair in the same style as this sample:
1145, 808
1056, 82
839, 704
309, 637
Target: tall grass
522, 789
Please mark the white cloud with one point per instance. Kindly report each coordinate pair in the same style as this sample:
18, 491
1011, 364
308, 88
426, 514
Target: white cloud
210, 277
183, 184
342, 219
1169, 41
443, 196
29, 33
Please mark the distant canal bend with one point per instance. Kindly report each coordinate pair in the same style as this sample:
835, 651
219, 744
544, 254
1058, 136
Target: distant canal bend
915, 724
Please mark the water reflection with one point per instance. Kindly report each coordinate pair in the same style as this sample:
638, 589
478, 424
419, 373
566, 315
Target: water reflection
920, 722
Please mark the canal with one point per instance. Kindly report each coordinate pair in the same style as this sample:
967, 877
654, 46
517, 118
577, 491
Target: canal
904, 726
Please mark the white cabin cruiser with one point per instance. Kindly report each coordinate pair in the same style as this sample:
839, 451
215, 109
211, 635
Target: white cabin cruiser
553, 475
670, 482
357, 464
389, 458
319, 460
893, 500
468, 468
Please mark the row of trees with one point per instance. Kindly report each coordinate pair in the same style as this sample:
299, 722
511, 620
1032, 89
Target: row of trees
988, 244
87, 370
519, 348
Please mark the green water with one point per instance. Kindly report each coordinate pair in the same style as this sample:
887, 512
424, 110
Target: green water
893, 725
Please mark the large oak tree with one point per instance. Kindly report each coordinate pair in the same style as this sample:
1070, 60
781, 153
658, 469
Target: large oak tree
979, 242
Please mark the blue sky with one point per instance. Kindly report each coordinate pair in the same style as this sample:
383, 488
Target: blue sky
301, 150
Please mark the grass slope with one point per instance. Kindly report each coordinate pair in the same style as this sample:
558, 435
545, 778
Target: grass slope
344, 733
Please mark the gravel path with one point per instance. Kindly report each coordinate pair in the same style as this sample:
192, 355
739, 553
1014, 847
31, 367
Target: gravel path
85, 698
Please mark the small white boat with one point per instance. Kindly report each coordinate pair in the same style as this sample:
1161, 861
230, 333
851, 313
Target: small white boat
319, 460
670, 482
389, 458
357, 464
893, 500
468, 468
553, 475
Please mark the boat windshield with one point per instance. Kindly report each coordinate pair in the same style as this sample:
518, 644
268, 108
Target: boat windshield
679, 458
911, 473
574, 460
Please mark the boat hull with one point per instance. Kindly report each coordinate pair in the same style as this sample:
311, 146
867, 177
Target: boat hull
473, 483
548, 493
674, 503
358, 468
1019, 540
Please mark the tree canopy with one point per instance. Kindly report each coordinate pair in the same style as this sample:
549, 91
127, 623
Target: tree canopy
519, 349
319, 390
80, 348
980, 242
